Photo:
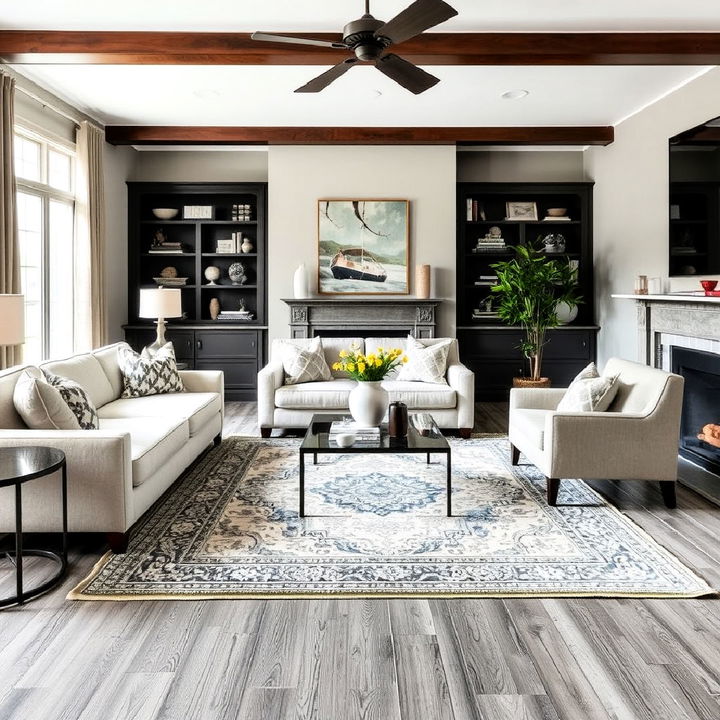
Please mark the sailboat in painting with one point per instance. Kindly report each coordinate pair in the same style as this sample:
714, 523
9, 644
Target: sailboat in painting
357, 264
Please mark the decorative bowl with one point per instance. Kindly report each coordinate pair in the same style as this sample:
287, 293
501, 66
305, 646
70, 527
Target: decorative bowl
164, 213
708, 285
345, 439
171, 281
557, 212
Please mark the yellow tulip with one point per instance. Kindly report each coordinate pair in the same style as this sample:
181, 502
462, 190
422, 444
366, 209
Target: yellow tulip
380, 350
405, 358
336, 366
350, 367
361, 367
343, 353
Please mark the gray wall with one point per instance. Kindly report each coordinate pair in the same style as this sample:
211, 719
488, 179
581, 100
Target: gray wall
200, 166
520, 166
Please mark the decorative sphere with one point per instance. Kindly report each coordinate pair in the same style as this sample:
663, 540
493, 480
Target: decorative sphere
212, 273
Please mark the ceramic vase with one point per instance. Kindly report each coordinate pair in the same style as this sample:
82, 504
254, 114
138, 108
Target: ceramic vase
565, 313
214, 308
300, 282
246, 246
422, 281
368, 403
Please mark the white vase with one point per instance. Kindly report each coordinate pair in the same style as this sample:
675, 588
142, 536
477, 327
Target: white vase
368, 403
300, 282
565, 313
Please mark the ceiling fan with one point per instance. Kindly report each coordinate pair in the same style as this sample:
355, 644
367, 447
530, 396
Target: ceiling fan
368, 38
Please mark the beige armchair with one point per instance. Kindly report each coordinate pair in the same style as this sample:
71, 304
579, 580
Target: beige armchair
636, 439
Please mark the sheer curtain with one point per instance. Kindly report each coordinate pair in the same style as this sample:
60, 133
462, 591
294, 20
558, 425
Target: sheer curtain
9, 249
90, 312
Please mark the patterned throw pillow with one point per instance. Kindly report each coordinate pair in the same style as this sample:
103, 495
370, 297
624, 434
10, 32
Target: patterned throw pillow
589, 392
304, 364
77, 400
146, 374
40, 405
425, 364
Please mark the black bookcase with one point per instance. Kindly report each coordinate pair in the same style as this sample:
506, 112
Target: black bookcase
487, 346
237, 348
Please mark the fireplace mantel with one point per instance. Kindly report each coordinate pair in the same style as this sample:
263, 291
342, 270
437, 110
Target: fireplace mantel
361, 316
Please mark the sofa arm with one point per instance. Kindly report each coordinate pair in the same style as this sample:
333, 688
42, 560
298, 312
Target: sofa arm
204, 381
536, 398
270, 378
462, 381
99, 470
625, 446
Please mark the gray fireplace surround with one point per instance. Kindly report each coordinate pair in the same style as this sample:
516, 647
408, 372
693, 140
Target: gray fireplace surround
362, 316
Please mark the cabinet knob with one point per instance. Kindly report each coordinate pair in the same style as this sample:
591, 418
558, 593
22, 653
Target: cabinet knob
252, 343
584, 343
199, 344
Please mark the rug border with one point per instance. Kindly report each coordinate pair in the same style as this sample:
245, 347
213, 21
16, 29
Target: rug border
77, 593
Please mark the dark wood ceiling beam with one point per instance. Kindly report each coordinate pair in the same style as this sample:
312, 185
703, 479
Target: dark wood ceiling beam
222, 135
182, 48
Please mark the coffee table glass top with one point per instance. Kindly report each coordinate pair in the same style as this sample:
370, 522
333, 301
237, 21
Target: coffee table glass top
317, 439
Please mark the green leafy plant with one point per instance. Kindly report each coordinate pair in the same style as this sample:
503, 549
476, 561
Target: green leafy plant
529, 287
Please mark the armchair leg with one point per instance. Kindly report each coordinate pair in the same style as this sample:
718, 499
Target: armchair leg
667, 488
514, 455
265, 432
465, 433
217, 439
118, 542
553, 485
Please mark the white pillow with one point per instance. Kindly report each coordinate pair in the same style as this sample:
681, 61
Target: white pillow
304, 364
147, 374
589, 392
425, 364
40, 405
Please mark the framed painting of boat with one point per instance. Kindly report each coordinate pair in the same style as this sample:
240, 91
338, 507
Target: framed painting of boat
363, 247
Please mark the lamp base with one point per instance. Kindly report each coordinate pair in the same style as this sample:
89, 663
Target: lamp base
160, 340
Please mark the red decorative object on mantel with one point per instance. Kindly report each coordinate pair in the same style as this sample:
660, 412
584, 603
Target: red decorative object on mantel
709, 286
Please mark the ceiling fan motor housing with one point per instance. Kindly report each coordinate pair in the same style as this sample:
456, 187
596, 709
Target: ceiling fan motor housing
359, 36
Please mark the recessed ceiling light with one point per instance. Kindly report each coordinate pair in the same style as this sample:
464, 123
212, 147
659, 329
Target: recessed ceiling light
515, 94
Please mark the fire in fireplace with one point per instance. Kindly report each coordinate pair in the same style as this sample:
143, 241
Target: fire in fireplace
700, 423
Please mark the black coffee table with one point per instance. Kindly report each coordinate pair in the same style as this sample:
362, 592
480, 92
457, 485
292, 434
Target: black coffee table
19, 465
317, 441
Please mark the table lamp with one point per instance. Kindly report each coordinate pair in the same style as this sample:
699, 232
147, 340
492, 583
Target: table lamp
159, 303
12, 319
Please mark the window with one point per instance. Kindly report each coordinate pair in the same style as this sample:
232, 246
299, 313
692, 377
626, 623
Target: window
46, 215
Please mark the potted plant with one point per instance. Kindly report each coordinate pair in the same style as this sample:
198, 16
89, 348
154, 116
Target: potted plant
530, 287
368, 401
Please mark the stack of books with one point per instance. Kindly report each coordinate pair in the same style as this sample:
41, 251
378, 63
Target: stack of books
556, 218
167, 248
363, 435
229, 246
236, 315
490, 245
487, 280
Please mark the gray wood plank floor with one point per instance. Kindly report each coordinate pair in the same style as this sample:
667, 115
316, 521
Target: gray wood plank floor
520, 659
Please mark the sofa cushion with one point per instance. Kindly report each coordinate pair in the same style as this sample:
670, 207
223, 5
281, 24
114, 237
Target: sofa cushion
421, 396
330, 395
87, 371
304, 364
41, 405
153, 442
77, 399
149, 374
9, 417
331, 349
108, 357
589, 392
196, 408
531, 424
426, 363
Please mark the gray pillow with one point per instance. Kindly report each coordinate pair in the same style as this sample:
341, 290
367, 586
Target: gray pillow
425, 363
40, 405
77, 400
589, 392
304, 364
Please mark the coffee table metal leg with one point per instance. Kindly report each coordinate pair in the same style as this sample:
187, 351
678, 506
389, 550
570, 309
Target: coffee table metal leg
64, 512
18, 543
449, 486
302, 484
428, 458
314, 458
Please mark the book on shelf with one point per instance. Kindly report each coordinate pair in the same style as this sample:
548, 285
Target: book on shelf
166, 251
486, 283
562, 218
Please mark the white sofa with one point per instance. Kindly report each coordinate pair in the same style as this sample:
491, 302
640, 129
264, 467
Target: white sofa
636, 439
451, 404
117, 472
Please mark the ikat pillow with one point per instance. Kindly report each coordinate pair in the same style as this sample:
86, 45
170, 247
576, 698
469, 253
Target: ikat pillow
146, 374
589, 392
77, 400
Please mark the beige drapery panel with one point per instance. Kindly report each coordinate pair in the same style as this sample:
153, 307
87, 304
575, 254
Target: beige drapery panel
90, 312
9, 248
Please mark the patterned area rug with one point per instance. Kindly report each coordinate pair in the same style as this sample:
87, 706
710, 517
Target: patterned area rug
376, 526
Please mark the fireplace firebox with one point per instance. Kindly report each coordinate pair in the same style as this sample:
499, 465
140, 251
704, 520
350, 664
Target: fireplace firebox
700, 423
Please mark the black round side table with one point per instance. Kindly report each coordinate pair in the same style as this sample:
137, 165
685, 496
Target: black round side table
19, 465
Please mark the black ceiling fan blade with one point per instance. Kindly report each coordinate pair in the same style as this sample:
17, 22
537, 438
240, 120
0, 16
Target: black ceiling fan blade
415, 19
269, 37
322, 81
410, 76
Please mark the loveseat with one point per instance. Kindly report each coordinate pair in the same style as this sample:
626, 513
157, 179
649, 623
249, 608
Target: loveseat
117, 472
292, 406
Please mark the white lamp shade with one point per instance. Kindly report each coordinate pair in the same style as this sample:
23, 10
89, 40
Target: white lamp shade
12, 319
160, 303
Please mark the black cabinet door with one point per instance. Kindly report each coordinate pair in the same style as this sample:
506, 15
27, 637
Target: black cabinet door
228, 343
182, 340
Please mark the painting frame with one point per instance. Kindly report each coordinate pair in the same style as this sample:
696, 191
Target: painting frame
521, 211
381, 223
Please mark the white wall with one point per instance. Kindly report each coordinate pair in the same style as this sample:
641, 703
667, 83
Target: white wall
300, 175
117, 165
631, 206
200, 166
520, 166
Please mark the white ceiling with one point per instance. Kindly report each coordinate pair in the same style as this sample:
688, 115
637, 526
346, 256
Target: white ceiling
263, 95
242, 95
331, 15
